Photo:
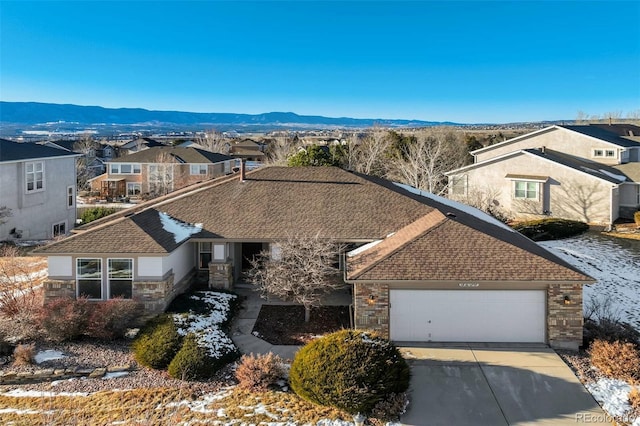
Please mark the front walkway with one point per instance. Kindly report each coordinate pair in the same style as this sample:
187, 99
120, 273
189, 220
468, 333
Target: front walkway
244, 321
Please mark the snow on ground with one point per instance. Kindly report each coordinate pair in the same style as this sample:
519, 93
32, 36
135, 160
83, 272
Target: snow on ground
613, 395
207, 326
613, 263
48, 355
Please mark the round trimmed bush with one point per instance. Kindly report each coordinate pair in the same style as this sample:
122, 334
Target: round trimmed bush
158, 343
351, 370
192, 361
550, 229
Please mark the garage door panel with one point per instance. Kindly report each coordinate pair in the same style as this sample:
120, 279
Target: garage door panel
467, 316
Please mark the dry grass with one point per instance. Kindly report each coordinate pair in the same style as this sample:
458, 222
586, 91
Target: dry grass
634, 397
628, 236
162, 406
616, 359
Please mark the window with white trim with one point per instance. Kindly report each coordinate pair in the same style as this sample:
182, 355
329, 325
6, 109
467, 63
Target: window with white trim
59, 229
124, 168
198, 169
71, 197
526, 190
34, 176
610, 153
120, 278
205, 255
89, 278
134, 189
607, 153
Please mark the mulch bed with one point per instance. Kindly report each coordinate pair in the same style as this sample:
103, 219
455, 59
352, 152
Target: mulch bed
284, 324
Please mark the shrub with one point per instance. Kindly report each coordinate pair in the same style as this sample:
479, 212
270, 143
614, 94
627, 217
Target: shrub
24, 354
550, 229
64, 319
192, 361
257, 373
111, 319
96, 213
389, 409
350, 370
616, 359
636, 218
158, 343
634, 397
609, 330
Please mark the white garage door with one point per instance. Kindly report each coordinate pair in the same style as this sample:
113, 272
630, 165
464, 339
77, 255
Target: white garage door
467, 316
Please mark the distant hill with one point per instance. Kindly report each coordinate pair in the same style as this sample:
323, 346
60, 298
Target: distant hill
36, 113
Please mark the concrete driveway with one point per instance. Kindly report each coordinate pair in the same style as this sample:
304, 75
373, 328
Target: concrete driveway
483, 385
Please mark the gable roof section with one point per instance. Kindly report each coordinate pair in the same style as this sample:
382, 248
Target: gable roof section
459, 246
179, 154
630, 170
15, 151
608, 134
591, 168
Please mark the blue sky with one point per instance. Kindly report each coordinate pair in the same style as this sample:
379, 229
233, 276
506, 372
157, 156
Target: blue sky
471, 61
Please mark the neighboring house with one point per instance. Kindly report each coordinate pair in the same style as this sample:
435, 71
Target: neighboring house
93, 153
587, 173
248, 150
421, 268
139, 144
38, 185
160, 170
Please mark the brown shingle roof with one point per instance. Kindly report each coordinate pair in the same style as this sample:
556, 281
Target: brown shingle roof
177, 154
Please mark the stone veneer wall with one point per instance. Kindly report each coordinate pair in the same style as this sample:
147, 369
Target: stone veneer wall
221, 275
371, 314
564, 321
56, 289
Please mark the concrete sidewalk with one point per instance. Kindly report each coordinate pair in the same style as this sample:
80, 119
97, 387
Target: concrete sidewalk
242, 325
493, 386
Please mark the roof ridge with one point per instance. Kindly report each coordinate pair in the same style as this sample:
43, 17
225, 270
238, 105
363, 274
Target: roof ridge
369, 258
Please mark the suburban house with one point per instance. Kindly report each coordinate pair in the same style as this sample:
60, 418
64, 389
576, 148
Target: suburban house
421, 268
588, 173
95, 153
248, 150
158, 170
138, 144
38, 187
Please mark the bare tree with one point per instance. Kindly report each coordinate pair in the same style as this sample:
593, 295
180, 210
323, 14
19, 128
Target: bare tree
279, 149
20, 293
214, 141
368, 154
298, 269
160, 175
484, 198
86, 146
422, 163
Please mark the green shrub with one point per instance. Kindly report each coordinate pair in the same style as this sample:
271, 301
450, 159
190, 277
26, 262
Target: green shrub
192, 361
351, 370
550, 229
158, 343
96, 213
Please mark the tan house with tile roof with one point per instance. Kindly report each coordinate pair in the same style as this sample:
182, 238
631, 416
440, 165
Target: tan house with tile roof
409, 247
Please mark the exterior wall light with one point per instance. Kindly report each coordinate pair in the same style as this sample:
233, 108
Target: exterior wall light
567, 300
372, 299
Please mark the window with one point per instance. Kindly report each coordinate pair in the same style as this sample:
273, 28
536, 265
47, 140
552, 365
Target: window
71, 197
608, 153
124, 168
160, 178
120, 278
459, 185
198, 169
34, 174
204, 255
89, 278
528, 190
59, 229
133, 189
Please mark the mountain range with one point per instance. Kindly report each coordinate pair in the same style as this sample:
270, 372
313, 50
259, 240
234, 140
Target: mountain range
36, 113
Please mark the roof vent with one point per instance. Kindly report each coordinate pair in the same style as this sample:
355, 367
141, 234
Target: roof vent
451, 215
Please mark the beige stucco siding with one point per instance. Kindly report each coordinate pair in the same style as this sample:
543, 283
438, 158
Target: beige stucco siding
560, 140
566, 193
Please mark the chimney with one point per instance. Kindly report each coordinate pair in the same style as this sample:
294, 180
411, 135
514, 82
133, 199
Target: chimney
242, 170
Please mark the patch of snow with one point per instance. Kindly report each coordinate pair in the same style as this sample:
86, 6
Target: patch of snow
115, 374
206, 327
477, 213
612, 394
23, 412
363, 248
21, 393
613, 263
48, 355
615, 176
180, 230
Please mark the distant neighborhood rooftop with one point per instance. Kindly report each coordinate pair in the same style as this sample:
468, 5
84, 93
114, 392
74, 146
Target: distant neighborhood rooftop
175, 154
